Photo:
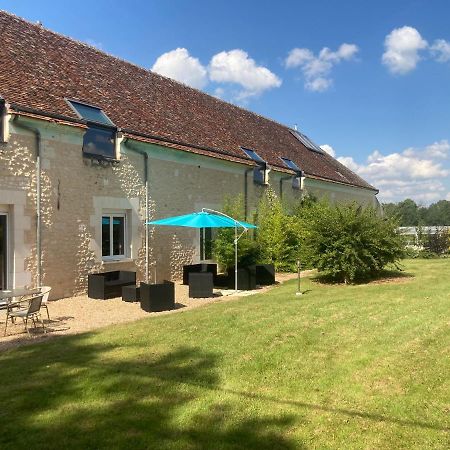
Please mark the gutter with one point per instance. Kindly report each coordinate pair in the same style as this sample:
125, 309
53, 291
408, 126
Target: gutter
246, 192
37, 134
277, 167
131, 146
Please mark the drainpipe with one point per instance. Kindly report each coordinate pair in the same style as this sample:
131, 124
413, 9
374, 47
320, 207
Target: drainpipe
246, 192
281, 185
130, 145
37, 134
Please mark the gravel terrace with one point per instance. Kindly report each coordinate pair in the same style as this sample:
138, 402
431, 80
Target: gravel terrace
80, 314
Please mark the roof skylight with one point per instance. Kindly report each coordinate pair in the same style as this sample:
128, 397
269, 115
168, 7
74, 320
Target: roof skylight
291, 164
253, 155
90, 113
306, 141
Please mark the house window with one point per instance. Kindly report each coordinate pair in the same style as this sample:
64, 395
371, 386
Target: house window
90, 113
206, 243
113, 236
296, 180
99, 139
306, 141
260, 172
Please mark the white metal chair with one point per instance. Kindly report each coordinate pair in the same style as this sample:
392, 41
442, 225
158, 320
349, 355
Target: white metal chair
33, 312
45, 292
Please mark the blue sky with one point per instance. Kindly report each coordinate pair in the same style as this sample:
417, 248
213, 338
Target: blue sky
369, 79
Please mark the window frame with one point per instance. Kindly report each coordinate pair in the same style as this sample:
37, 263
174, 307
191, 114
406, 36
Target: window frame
111, 256
71, 102
96, 125
206, 243
306, 141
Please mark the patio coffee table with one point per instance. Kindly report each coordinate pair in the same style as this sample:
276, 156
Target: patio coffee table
8, 294
131, 293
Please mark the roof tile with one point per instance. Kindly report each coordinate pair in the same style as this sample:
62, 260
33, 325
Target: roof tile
40, 68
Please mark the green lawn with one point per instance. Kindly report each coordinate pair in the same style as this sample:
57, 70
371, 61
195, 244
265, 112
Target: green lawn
344, 367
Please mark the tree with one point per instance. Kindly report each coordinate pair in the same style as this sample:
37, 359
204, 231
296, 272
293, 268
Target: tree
349, 242
277, 235
409, 214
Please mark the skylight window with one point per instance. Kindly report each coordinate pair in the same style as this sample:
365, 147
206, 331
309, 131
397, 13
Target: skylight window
291, 164
297, 178
253, 155
90, 113
261, 171
306, 141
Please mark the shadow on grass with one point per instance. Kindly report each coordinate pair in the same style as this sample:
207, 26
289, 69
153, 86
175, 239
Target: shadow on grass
77, 394
384, 277
346, 412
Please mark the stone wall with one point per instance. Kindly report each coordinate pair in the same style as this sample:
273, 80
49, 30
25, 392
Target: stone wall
75, 193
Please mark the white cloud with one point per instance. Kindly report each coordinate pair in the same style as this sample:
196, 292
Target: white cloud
319, 84
298, 57
232, 67
402, 48
219, 92
403, 165
317, 69
235, 66
349, 162
448, 197
94, 43
416, 173
180, 66
440, 50
439, 149
328, 149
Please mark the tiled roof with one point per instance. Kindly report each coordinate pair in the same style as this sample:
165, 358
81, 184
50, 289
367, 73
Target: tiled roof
40, 68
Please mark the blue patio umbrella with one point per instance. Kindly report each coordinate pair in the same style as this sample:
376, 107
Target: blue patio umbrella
208, 218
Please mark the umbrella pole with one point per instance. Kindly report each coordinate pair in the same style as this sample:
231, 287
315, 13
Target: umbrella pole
235, 259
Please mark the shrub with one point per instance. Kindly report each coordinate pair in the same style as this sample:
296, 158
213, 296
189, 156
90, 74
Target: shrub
426, 254
277, 235
438, 242
349, 242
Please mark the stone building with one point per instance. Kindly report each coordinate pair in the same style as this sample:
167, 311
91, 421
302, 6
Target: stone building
91, 146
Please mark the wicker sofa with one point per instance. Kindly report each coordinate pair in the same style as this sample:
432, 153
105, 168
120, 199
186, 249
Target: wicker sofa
109, 284
199, 268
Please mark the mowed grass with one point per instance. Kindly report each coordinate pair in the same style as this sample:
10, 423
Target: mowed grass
341, 367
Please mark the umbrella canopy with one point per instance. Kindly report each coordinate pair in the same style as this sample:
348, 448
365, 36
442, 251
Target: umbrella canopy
202, 219
208, 218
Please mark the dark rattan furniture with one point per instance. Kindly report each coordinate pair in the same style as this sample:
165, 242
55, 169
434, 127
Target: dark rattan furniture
201, 285
196, 268
265, 274
246, 279
109, 284
157, 297
131, 293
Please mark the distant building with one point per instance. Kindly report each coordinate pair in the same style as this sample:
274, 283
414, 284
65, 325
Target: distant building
414, 234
